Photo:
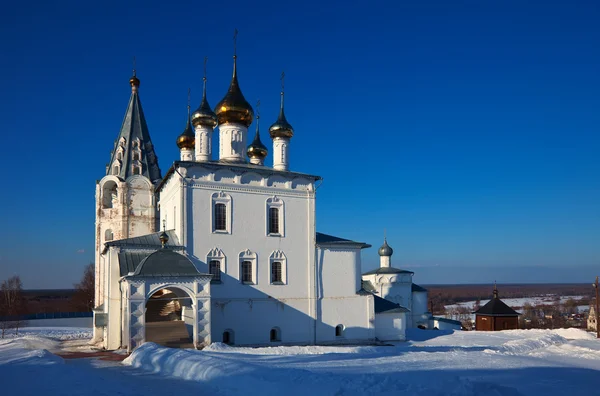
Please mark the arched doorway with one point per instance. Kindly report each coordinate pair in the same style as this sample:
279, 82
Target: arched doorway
169, 318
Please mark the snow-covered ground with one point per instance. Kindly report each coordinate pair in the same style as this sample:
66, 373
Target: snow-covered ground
517, 362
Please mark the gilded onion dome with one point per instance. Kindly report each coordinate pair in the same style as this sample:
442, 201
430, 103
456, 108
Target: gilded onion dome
134, 81
233, 108
204, 114
187, 140
281, 127
385, 249
257, 149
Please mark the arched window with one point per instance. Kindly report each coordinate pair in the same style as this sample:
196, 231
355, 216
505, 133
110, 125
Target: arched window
228, 337
116, 169
220, 217
339, 330
278, 263
137, 156
248, 267
214, 268
108, 235
109, 195
221, 213
137, 170
275, 213
275, 334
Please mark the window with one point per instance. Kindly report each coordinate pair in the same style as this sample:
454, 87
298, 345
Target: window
275, 334
109, 195
215, 270
108, 235
276, 272
278, 263
273, 220
246, 272
137, 156
116, 169
216, 264
220, 217
228, 337
274, 217
339, 330
221, 213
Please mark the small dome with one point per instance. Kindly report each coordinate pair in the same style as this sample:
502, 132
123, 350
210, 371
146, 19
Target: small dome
204, 114
385, 249
164, 238
234, 108
134, 81
187, 140
281, 127
256, 148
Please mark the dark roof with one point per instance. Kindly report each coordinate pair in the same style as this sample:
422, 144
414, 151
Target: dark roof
417, 288
446, 320
166, 262
128, 261
134, 127
496, 307
387, 270
368, 286
150, 241
383, 305
330, 240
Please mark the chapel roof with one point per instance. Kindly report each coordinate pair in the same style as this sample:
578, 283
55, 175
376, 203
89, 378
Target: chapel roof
330, 240
496, 307
387, 306
166, 262
417, 288
387, 270
149, 241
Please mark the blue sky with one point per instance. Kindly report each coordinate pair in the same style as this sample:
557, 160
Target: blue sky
468, 130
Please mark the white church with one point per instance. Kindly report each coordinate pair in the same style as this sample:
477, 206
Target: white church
224, 248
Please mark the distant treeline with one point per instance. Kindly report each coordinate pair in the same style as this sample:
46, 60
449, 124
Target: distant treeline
442, 295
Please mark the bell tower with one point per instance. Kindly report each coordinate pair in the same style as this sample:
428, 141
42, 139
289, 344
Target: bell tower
125, 200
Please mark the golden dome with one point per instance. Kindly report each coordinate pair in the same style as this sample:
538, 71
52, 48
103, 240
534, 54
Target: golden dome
233, 108
187, 140
257, 149
134, 81
281, 127
204, 114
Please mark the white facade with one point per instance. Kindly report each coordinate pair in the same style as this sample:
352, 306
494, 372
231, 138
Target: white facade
239, 256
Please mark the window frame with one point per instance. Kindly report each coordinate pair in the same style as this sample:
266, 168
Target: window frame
278, 257
216, 254
248, 256
225, 199
275, 203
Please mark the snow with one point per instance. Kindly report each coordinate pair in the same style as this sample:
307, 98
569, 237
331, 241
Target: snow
515, 362
518, 302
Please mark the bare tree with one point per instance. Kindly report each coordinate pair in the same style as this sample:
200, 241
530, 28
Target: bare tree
11, 306
84, 297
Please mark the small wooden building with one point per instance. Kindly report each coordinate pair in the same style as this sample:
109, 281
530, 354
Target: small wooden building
496, 315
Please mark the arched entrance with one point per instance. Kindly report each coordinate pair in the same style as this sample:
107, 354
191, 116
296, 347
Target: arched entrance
169, 318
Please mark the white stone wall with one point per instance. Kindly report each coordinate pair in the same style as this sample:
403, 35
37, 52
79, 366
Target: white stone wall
390, 326
418, 309
250, 310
